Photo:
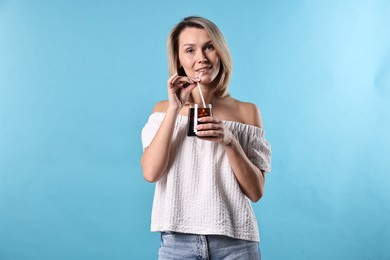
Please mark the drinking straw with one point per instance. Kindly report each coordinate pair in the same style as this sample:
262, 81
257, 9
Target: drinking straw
200, 90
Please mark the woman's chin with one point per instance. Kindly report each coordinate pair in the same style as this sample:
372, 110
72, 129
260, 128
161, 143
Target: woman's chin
206, 79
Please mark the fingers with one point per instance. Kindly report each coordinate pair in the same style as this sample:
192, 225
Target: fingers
218, 135
179, 88
209, 133
174, 89
182, 86
213, 129
210, 129
189, 88
208, 126
175, 79
197, 78
172, 78
210, 119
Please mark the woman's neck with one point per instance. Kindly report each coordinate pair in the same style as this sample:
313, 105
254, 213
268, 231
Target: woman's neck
208, 95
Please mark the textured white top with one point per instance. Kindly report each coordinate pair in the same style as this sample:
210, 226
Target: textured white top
199, 193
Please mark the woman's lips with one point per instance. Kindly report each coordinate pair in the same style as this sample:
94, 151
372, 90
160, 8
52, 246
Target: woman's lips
203, 70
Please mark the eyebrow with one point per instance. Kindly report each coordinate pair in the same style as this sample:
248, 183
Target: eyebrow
193, 44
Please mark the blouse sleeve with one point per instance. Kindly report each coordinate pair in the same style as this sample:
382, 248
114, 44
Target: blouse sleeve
254, 144
150, 129
259, 152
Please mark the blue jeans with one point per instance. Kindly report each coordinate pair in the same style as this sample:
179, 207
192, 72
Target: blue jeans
206, 247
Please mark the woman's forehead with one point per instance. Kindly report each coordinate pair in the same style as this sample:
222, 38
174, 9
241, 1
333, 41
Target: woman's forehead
193, 36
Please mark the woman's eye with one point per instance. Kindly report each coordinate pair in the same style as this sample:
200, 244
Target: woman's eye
189, 50
209, 47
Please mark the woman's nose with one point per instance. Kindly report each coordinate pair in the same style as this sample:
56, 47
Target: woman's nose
202, 58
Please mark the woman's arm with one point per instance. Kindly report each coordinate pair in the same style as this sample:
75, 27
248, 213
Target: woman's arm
155, 158
250, 178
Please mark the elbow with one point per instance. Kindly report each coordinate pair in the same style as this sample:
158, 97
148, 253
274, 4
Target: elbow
150, 180
150, 175
258, 191
153, 169
256, 197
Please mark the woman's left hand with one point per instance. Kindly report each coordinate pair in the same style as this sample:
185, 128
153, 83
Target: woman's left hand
213, 129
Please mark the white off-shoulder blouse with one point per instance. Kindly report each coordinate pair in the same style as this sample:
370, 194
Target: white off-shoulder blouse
199, 193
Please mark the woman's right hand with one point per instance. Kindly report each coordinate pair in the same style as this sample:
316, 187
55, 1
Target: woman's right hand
179, 88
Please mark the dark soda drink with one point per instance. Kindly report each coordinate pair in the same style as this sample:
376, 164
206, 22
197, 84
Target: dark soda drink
195, 112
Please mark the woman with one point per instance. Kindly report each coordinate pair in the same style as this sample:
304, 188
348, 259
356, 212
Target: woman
204, 183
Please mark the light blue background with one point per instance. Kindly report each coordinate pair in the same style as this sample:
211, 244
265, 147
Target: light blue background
78, 80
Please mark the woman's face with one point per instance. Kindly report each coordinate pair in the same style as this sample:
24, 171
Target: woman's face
197, 54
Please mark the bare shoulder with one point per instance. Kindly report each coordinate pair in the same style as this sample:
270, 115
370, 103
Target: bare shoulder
248, 113
161, 106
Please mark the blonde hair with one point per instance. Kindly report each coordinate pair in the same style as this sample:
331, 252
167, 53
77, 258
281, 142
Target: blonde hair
220, 45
